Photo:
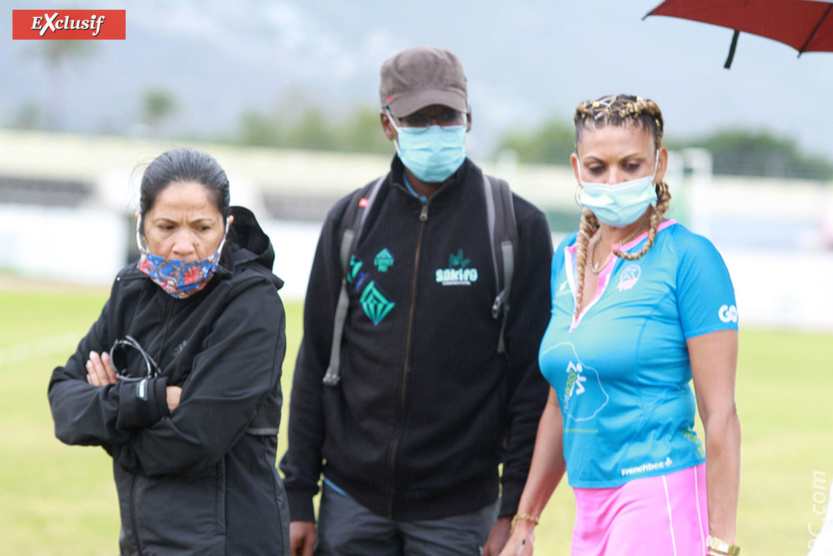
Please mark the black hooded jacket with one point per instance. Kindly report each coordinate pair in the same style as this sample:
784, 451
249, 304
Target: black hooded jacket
200, 480
426, 408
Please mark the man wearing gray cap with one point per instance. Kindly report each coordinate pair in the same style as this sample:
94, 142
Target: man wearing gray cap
418, 372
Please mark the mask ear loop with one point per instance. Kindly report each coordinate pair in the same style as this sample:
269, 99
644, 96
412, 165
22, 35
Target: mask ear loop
222, 243
392, 121
139, 235
225, 235
579, 187
656, 167
653, 176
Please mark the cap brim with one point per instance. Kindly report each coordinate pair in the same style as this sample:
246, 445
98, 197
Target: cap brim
405, 105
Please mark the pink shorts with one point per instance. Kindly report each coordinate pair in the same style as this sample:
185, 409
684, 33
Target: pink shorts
665, 515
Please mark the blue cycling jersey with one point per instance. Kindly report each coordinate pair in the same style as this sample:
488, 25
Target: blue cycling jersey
621, 369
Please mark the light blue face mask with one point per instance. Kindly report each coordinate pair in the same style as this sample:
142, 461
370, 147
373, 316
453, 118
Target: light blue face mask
621, 204
432, 154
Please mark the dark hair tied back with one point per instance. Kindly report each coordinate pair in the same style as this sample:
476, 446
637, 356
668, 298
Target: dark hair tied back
184, 165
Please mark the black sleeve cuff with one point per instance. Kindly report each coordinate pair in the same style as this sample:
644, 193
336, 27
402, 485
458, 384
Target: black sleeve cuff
300, 506
510, 498
142, 403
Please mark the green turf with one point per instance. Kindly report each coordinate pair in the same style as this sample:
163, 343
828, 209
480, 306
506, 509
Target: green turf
59, 500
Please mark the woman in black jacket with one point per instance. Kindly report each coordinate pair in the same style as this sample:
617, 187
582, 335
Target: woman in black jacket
179, 379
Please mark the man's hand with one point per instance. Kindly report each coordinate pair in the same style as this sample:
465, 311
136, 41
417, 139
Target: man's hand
301, 538
498, 537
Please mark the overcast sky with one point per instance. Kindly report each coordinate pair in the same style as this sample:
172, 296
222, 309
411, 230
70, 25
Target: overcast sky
525, 60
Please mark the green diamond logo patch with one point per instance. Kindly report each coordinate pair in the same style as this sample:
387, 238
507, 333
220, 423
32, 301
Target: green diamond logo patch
375, 305
383, 260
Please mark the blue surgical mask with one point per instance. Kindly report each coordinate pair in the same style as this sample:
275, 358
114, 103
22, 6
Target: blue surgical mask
178, 278
432, 154
621, 204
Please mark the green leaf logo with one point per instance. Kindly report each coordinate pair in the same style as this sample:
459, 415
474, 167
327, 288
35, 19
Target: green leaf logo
458, 260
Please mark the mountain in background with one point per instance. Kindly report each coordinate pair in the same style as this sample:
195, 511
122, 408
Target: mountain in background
526, 61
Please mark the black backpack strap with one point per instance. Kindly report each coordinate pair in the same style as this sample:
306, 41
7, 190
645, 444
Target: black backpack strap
350, 228
503, 235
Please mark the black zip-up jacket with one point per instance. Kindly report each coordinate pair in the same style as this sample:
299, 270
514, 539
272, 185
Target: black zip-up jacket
200, 480
426, 408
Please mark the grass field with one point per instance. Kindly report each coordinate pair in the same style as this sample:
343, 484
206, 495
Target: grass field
60, 500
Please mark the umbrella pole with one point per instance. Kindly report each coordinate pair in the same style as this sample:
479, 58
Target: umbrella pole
732, 48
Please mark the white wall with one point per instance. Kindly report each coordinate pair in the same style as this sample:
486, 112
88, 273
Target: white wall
294, 244
774, 287
782, 288
88, 245
83, 245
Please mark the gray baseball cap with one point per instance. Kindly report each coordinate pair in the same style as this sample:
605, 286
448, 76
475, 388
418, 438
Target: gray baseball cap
422, 76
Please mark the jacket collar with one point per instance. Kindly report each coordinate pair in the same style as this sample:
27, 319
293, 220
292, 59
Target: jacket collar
452, 188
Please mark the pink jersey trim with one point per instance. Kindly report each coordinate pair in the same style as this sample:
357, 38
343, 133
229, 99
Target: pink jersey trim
604, 275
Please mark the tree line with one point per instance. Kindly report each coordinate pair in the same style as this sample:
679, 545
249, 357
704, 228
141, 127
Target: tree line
296, 122
742, 152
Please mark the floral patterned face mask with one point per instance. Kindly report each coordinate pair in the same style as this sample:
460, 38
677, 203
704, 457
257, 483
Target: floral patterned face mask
178, 278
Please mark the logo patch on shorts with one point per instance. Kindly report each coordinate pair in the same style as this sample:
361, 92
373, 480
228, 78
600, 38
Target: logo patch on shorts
374, 303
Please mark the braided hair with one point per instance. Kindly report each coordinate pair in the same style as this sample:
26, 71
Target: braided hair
617, 110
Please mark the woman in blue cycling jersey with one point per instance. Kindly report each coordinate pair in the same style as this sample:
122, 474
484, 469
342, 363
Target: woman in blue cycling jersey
641, 307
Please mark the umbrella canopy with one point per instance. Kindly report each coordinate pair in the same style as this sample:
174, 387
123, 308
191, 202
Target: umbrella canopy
805, 25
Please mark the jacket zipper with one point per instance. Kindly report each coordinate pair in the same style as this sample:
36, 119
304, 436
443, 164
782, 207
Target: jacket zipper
163, 333
168, 305
423, 217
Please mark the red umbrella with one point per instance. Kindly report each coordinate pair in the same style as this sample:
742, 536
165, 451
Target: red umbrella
805, 25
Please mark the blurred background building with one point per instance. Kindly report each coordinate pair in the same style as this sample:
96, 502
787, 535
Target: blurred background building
67, 205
